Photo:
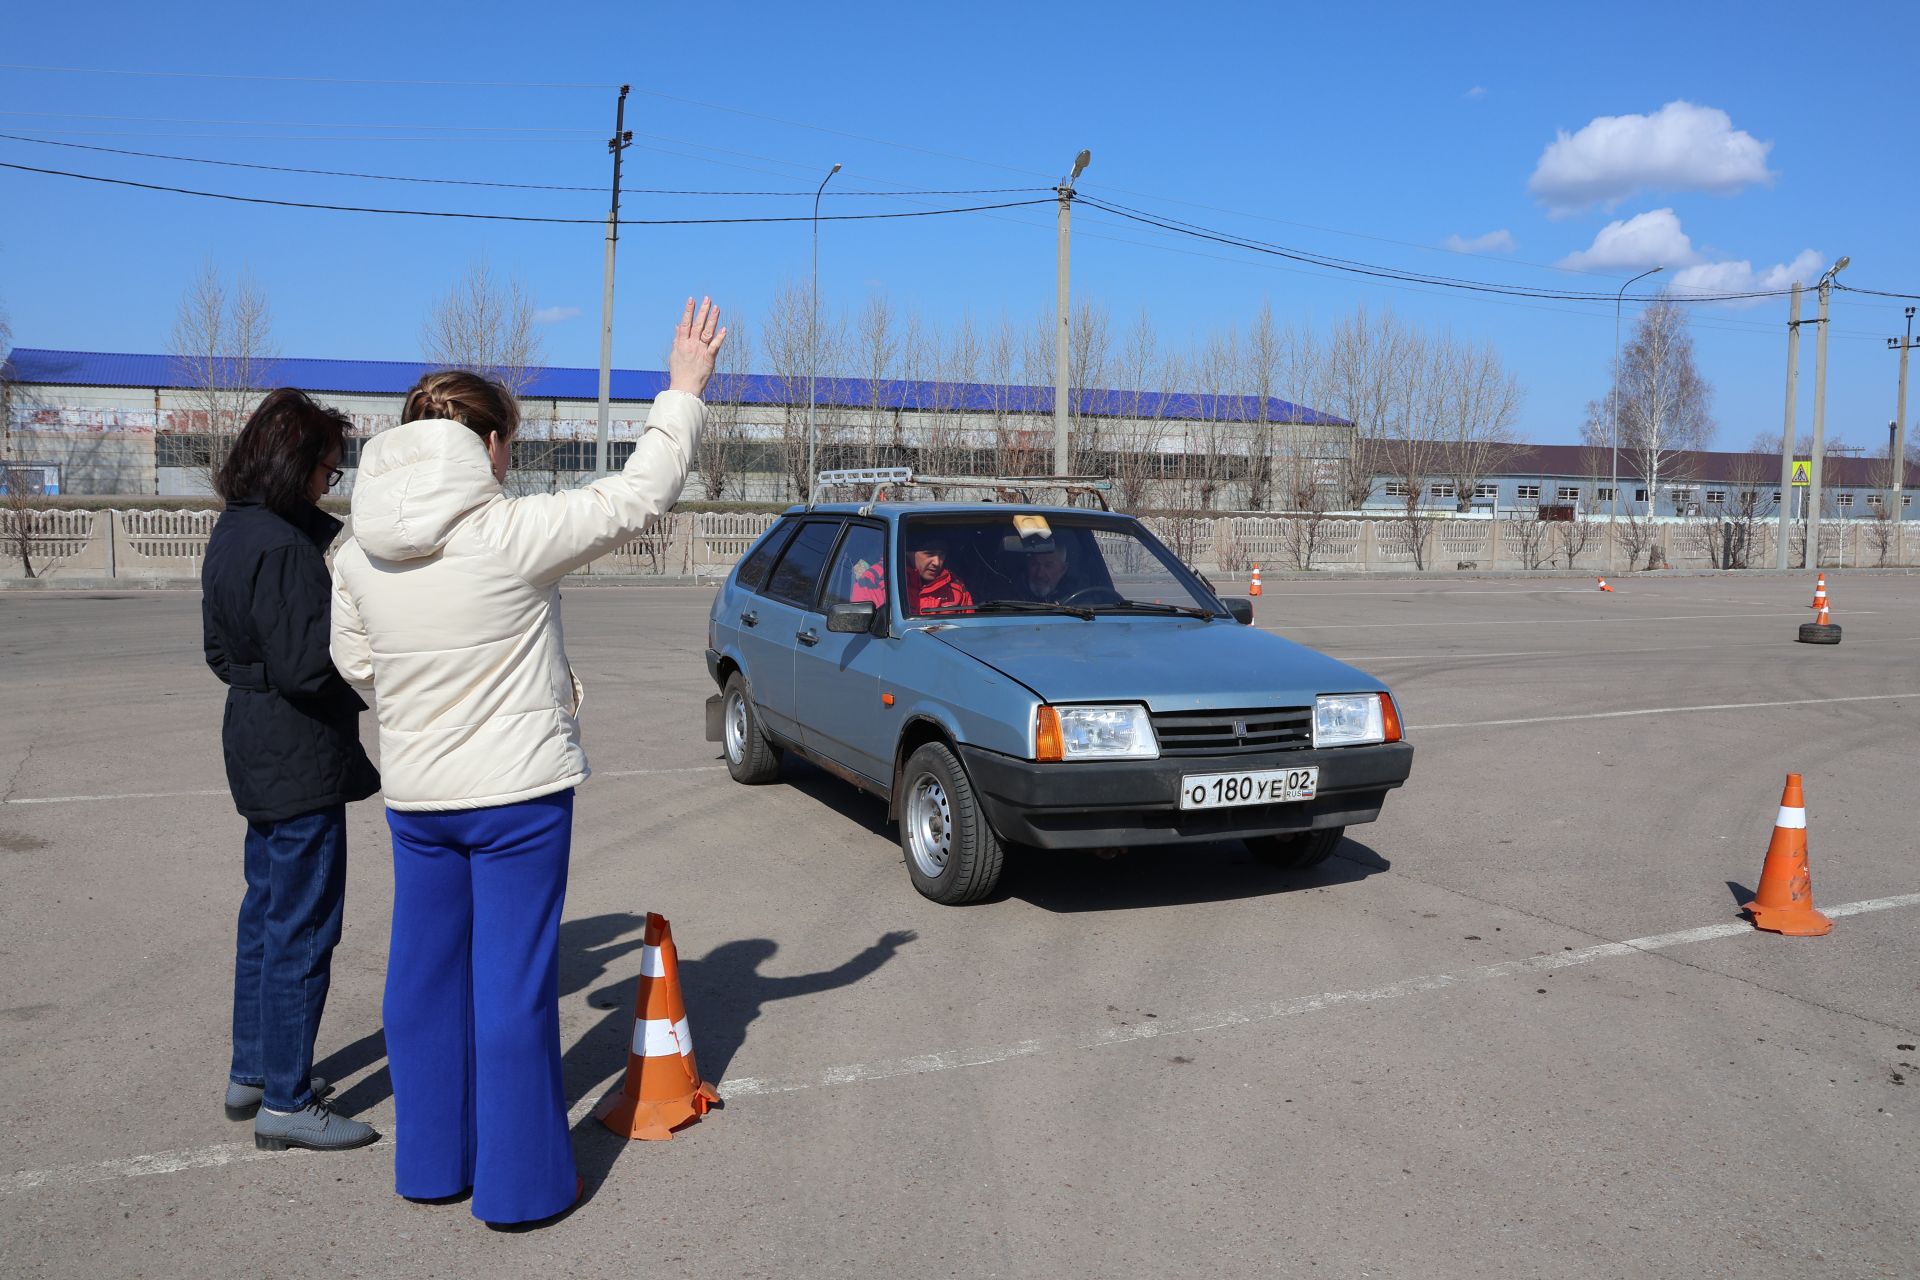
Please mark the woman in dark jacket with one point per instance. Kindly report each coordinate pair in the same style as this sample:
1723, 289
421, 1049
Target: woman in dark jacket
291, 735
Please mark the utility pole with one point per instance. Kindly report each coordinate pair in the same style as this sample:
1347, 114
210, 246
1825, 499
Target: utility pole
1786, 435
1897, 454
1819, 414
1063, 321
813, 346
1614, 511
619, 142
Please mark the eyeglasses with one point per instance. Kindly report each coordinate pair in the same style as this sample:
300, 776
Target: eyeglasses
335, 476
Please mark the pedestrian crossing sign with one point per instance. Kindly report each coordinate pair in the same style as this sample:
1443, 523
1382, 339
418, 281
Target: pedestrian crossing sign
1802, 472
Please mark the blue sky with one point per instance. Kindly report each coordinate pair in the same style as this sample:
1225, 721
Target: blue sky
1374, 133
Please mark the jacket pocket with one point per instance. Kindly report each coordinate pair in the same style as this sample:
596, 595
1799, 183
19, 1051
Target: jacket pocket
579, 691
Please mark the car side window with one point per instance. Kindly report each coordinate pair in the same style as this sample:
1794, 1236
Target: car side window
859, 572
797, 576
753, 570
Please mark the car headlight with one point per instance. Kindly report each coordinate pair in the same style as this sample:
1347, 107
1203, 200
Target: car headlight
1094, 733
1349, 719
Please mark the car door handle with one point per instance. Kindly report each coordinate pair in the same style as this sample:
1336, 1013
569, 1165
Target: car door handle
807, 637
749, 619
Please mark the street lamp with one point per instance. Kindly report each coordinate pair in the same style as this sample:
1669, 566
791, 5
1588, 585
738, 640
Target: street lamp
1062, 452
1614, 513
813, 325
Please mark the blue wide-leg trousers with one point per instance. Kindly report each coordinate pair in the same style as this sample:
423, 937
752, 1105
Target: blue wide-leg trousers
472, 1006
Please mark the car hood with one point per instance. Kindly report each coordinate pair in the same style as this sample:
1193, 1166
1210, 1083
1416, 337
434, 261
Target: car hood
1170, 664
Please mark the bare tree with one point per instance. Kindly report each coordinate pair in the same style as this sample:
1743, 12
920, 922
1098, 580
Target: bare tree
1019, 446
1726, 527
1360, 379
1536, 535
17, 517
1663, 402
1136, 436
223, 352
484, 323
723, 439
1477, 401
1412, 450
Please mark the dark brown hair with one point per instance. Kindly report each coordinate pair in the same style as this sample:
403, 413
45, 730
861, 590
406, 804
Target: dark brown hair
480, 404
288, 435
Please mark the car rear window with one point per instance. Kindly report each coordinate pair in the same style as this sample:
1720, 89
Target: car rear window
753, 570
797, 575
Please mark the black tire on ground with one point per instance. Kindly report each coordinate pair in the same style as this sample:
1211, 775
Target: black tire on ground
1815, 633
751, 757
953, 855
1298, 851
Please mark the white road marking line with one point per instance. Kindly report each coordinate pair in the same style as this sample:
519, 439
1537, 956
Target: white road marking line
1661, 711
1546, 622
222, 791
951, 1059
1593, 653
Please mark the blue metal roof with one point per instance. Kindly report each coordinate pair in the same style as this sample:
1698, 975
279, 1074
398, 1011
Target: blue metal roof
394, 377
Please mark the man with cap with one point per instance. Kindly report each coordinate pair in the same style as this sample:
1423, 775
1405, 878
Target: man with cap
1047, 571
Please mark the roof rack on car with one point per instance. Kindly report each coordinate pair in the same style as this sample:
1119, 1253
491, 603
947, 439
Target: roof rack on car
1003, 488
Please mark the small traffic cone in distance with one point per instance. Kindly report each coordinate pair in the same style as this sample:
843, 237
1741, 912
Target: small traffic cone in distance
663, 1090
1254, 588
1784, 901
1819, 594
1604, 586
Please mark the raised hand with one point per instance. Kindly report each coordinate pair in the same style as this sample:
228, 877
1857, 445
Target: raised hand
696, 343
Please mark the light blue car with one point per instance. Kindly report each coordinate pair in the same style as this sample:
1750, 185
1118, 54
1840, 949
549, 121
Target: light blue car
1036, 676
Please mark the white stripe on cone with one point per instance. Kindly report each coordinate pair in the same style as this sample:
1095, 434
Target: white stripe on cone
661, 1038
651, 965
1791, 819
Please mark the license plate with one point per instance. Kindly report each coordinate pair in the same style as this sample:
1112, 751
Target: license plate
1259, 786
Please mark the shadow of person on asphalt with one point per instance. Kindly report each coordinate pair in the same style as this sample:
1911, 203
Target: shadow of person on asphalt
1068, 881
724, 991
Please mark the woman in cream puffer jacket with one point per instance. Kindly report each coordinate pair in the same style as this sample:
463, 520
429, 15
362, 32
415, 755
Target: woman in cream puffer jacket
447, 609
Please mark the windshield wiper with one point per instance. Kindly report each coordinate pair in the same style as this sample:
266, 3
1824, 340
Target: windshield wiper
1012, 606
1155, 606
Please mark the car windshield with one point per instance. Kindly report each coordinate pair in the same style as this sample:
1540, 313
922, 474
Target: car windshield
1083, 566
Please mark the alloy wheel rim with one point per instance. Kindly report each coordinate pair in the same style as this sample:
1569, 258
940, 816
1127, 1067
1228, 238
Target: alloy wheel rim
929, 826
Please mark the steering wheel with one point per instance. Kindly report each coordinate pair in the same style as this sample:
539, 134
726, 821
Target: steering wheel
1093, 595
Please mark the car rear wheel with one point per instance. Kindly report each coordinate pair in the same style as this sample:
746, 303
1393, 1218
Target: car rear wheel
751, 758
953, 855
1298, 850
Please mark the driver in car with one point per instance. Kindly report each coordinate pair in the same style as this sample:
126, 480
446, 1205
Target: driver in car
931, 585
1047, 572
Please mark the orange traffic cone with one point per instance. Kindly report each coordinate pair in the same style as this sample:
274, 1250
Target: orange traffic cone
1254, 589
1784, 903
1604, 586
1819, 593
663, 1089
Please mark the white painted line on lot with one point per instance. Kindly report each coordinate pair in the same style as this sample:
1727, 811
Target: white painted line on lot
1660, 711
951, 1059
1397, 625
1465, 654
222, 791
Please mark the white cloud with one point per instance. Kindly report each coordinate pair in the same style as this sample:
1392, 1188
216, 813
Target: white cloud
554, 315
1680, 147
1477, 91
1655, 239
1500, 241
1741, 277
1633, 244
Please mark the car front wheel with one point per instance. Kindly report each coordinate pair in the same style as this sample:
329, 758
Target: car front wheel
1297, 850
751, 758
953, 855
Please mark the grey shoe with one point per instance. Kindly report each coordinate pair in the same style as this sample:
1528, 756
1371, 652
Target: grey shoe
315, 1129
244, 1099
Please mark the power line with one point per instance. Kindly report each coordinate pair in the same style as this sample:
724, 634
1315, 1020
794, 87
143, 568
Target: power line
511, 217
472, 182
305, 124
225, 75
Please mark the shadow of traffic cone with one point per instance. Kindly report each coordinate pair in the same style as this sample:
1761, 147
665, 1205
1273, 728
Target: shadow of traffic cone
1254, 589
1784, 902
1604, 586
663, 1090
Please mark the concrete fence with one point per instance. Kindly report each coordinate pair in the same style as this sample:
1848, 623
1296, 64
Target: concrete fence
170, 545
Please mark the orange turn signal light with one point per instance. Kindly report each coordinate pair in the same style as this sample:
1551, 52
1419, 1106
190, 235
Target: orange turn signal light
886, 699
1048, 742
1389, 718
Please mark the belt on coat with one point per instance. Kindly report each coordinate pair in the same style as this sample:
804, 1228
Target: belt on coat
251, 676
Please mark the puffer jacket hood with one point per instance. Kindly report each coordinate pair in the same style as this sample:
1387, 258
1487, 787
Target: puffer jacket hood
416, 483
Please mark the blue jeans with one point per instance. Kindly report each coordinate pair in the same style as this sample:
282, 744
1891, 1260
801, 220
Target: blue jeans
472, 1006
283, 960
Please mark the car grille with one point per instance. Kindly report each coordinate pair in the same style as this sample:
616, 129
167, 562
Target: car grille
1233, 733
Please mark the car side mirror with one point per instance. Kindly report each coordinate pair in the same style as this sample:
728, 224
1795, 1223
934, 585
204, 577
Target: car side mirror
1240, 607
855, 619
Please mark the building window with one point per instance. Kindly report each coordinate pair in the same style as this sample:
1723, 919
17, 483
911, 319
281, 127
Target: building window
1396, 489
1443, 491
1530, 492
1568, 493
1875, 501
1682, 496
1749, 497
1906, 499
1486, 491
1639, 495
1604, 493
1716, 495
1843, 500
1776, 497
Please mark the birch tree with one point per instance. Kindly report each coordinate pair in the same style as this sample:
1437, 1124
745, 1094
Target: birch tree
223, 351
1663, 402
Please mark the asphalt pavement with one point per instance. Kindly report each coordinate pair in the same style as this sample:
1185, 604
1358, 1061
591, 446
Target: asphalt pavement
1515, 1028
